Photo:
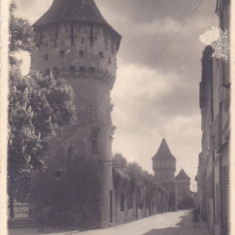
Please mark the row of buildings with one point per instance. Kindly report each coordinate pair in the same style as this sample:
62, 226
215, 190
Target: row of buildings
213, 170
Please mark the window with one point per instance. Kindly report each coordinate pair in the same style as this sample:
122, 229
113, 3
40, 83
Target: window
47, 72
91, 34
94, 140
46, 57
110, 61
81, 53
62, 53
92, 69
72, 33
72, 71
58, 174
56, 72
101, 54
82, 69
82, 40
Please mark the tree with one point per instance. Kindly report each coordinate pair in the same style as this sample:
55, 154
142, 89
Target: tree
38, 105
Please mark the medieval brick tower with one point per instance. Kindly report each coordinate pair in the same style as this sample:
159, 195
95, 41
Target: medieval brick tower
76, 43
182, 185
164, 166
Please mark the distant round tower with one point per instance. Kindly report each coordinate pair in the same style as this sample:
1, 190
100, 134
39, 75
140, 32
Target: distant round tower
164, 166
76, 43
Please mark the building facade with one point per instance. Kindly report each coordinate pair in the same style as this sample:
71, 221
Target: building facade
213, 171
74, 42
164, 166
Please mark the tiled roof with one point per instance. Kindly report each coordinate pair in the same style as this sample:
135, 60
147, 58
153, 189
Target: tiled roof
84, 11
164, 151
182, 175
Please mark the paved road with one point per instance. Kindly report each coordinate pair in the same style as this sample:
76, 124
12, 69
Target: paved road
171, 223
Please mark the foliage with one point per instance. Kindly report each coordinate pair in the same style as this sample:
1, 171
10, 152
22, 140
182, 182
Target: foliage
186, 202
38, 105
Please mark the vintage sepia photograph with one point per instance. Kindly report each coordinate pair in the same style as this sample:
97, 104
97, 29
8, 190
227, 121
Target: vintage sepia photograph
119, 117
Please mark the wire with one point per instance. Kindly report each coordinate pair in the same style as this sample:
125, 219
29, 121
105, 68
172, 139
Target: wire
171, 32
176, 34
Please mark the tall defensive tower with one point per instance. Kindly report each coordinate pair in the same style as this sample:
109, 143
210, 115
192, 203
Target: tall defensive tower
76, 43
164, 166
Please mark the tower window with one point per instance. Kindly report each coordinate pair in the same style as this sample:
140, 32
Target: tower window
91, 34
82, 69
56, 72
92, 69
72, 71
82, 40
47, 72
46, 57
72, 33
58, 174
81, 53
110, 61
101, 54
94, 140
62, 53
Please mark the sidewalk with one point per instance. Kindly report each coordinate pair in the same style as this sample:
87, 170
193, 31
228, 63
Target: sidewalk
189, 229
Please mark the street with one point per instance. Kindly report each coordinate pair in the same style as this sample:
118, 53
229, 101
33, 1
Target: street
171, 223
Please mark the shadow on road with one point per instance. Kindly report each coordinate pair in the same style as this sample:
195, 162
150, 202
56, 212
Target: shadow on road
164, 231
169, 230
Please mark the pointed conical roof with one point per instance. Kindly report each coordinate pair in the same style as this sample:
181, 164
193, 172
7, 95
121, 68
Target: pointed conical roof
182, 175
83, 11
164, 151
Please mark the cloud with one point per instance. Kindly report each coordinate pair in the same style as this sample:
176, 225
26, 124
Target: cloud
148, 105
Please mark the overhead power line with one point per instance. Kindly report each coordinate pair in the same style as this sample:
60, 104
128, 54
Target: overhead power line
189, 11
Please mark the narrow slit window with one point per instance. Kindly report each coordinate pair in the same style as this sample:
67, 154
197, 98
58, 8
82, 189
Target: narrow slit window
46, 57
72, 33
94, 140
81, 53
56, 72
82, 40
92, 69
101, 54
62, 53
91, 34
58, 174
82, 69
47, 72
72, 71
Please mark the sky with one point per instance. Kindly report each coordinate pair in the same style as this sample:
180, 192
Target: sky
156, 93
